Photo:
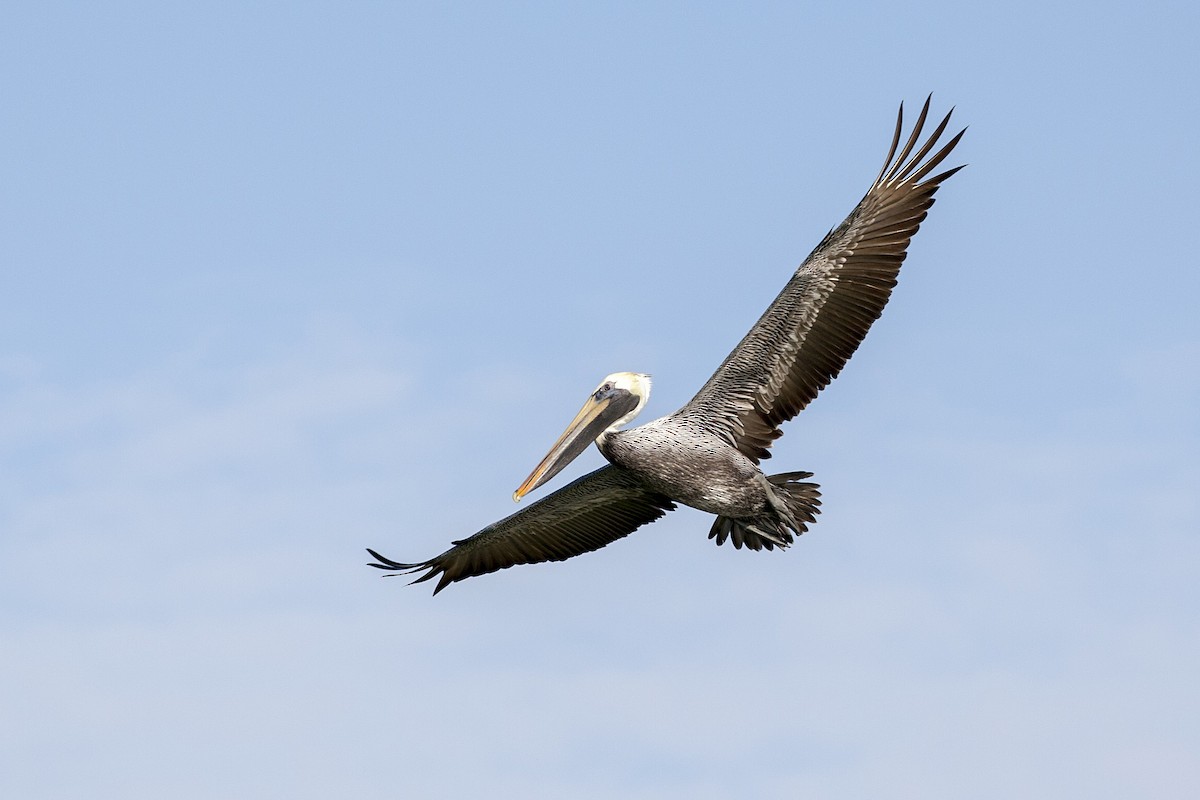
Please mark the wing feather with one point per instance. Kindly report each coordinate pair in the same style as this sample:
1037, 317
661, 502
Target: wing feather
816, 323
585, 515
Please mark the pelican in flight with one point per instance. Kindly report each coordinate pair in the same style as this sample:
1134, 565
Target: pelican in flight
706, 455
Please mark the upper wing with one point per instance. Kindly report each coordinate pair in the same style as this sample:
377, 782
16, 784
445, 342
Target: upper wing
815, 324
584, 515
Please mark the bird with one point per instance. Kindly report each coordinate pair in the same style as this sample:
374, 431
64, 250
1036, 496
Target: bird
707, 454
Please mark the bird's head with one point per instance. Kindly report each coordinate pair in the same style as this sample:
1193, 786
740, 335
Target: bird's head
617, 400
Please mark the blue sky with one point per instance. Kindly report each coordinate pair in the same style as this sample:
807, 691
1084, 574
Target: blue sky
284, 281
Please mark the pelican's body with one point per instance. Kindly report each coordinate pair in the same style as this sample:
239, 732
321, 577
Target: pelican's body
706, 455
689, 465
681, 460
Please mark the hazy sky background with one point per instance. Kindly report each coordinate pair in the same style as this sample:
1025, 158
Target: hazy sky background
279, 282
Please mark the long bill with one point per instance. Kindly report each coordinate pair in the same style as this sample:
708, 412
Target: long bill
602, 410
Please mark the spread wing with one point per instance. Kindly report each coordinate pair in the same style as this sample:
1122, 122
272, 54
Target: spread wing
585, 515
815, 324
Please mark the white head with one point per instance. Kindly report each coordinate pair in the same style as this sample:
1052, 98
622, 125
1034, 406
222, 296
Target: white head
631, 384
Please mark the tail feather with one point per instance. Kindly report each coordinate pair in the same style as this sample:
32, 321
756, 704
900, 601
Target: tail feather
802, 503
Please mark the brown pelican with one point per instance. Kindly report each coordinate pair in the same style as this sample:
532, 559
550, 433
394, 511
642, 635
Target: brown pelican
706, 454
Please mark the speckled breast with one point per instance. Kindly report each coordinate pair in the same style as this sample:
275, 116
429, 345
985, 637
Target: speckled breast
692, 467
